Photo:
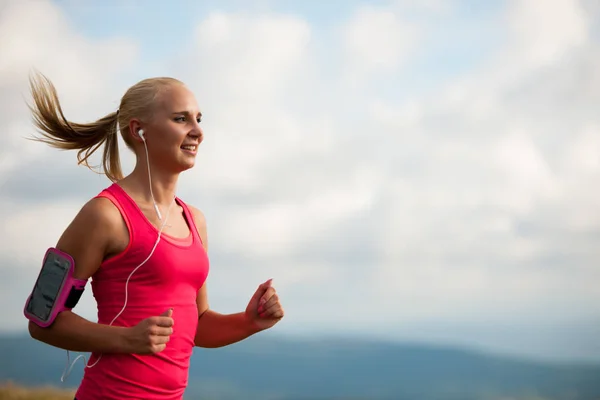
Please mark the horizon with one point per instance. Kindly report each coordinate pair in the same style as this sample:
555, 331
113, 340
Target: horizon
452, 349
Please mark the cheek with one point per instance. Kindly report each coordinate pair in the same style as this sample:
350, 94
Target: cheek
175, 135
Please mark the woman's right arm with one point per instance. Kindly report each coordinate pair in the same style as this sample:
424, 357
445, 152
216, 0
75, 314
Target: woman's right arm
98, 230
87, 239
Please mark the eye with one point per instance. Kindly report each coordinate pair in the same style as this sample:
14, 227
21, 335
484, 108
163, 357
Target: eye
179, 119
199, 119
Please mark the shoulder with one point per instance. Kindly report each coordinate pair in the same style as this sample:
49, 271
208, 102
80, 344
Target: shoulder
198, 215
91, 234
99, 212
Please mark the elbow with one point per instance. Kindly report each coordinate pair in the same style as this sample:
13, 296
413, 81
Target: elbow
34, 330
37, 332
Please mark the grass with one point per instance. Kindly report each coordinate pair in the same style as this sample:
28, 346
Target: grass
11, 391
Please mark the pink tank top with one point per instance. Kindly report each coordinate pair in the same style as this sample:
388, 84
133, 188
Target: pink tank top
171, 278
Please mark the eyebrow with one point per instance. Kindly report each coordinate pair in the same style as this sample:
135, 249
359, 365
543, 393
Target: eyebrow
186, 113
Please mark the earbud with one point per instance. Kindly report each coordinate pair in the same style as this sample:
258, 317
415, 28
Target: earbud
141, 134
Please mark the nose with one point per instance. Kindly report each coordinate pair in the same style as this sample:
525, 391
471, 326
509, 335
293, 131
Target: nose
197, 133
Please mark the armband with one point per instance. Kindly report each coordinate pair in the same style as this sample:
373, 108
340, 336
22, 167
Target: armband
55, 289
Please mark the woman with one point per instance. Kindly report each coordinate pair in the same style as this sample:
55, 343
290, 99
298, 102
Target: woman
144, 249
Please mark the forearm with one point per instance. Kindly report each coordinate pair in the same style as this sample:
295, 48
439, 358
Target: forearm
218, 330
72, 332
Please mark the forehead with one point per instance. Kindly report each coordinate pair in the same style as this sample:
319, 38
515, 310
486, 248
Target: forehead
177, 98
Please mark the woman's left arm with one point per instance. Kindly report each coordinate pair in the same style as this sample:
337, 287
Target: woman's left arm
217, 330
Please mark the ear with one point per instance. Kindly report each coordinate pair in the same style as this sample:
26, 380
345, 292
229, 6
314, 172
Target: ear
134, 127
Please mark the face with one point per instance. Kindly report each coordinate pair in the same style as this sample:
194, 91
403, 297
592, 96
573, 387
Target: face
173, 134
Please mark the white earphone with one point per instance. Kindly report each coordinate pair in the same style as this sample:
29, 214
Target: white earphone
141, 135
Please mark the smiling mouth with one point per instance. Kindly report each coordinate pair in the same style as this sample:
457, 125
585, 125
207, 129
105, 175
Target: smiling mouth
190, 147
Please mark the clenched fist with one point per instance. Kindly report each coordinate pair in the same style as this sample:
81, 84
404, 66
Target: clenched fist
264, 308
151, 335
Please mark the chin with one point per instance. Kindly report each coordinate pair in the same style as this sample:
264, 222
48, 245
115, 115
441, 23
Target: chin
186, 166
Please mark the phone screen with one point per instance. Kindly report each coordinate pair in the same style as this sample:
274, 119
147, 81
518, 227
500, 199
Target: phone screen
46, 289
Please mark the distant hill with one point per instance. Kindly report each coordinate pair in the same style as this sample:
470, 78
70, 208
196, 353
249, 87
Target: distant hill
266, 367
9, 391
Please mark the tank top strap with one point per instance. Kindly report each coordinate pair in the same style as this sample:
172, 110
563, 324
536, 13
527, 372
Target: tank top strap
127, 210
127, 206
135, 218
189, 216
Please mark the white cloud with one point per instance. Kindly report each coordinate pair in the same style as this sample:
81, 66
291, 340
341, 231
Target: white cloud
40, 38
583, 154
377, 39
499, 204
546, 31
523, 170
251, 56
430, 6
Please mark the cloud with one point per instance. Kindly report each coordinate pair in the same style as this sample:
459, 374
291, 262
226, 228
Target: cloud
497, 158
40, 38
386, 192
546, 33
377, 39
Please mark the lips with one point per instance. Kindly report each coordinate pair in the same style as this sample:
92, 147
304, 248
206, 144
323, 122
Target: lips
189, 147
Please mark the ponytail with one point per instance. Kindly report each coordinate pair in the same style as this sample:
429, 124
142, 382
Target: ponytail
60, 133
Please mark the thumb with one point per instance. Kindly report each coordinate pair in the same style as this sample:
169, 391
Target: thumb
267, 284
167, 313
260, 290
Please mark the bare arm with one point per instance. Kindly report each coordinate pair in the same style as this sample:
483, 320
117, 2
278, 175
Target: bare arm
93, 233
215, 329
218, 330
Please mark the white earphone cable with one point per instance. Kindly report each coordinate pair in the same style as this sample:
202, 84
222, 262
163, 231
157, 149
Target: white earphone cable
150, 178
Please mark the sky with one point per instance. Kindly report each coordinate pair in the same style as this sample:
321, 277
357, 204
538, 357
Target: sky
404, 170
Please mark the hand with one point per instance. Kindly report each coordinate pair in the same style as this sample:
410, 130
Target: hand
264, 309
151, 335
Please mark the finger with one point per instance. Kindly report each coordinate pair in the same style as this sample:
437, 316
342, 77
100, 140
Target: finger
277, 314
272, 311
160, 340
161, 331
266, 296
158, 348
272, 299
259, 293
263, 287
167, 313
260, 290
166, 322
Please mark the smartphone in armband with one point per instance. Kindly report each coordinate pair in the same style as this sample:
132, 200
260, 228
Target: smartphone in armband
55, 289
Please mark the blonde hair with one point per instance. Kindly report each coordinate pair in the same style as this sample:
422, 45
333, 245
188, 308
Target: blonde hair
58, 132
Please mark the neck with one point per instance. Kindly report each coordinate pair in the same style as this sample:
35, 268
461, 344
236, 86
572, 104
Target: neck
164, 185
